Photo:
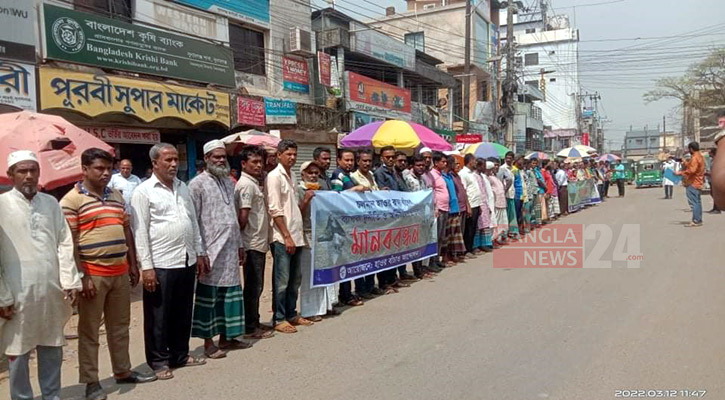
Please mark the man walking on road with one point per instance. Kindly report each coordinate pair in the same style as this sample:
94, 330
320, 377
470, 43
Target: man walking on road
287, 239
254, 224
106, 258
693, 179
219, 305
170, 259
669, 165
37, 287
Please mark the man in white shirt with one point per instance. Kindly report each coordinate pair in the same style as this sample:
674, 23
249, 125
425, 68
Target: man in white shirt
287, 239
124, 181
38, 279
473, 190
171, 253
562, 180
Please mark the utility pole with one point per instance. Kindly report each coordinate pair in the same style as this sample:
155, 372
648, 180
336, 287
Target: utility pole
510, 86
467, 71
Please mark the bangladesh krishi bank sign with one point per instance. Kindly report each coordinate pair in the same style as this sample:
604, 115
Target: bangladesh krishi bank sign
93, 40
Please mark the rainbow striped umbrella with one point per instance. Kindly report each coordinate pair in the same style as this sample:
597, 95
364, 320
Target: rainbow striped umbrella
404, 136
487, 150
539, 155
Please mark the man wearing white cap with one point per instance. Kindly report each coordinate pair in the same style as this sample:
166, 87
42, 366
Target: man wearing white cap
171, 253
219, 306
38, 279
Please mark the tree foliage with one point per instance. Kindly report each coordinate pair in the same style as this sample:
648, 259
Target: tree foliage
702, 86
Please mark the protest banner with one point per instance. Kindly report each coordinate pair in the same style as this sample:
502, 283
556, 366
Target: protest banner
581, 194
358, 234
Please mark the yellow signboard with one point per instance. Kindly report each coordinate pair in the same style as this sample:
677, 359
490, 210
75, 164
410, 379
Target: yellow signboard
94, 95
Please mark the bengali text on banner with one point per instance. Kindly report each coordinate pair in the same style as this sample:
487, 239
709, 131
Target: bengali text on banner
358, 234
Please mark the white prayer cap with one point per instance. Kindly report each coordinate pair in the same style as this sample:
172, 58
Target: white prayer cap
306, 165
21, 155
425, 150
213, 145
489, 165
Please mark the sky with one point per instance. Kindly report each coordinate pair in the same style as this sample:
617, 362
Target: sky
672, 35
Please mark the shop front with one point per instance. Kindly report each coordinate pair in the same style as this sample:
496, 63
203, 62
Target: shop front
133, 114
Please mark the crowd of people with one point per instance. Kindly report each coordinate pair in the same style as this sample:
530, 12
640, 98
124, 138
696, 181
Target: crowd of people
186, 243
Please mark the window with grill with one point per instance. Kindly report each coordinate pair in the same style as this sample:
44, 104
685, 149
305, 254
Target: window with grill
531, 59
416, 39
531, 30
248, 48
118, 9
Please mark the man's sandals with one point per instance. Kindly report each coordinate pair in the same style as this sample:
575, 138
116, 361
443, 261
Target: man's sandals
165, 373
260, 333
234, 345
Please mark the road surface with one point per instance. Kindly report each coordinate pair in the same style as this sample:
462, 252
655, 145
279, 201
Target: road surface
478, 332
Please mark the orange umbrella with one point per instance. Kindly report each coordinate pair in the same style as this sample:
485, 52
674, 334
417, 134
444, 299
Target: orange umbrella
57, 143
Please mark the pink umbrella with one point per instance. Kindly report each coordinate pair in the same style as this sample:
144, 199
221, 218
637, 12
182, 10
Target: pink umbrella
236, 141
57, 143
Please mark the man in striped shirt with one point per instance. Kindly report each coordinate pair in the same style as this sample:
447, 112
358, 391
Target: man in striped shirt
107, 262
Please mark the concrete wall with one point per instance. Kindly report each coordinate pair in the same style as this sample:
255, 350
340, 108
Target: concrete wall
558, 53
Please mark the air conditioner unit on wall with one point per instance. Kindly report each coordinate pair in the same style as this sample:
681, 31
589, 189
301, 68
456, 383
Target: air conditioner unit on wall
300, 42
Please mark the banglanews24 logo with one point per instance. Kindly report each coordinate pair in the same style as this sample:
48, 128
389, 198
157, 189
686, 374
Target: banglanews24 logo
68, 35
574, 246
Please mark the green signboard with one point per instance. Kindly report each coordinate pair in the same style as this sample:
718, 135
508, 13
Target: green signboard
94, 40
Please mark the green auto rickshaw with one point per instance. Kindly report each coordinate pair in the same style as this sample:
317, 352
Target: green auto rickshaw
648, 172
628, 170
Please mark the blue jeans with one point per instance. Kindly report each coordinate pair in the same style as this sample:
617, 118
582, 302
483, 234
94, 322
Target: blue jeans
693, 198
286, 280
49, 363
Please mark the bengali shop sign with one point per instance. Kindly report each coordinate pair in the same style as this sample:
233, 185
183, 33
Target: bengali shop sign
17, 85
324, 65
125, 135
377, 98
295, 75
250, 112
109, 43
94, 95
358, 234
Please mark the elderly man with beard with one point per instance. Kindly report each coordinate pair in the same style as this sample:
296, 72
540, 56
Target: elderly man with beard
219, 305
38, 279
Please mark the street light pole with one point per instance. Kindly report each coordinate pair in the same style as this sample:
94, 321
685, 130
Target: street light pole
467, 71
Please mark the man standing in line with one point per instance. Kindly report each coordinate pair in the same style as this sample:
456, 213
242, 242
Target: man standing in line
619, 177
427, 155
441, 199
475, 199
506, 176
171, 253
287, 239
38, 279
388, 178
341, 180
693, 178
219, 305
322, 157
106, 258
254, 224
717, 173
365, 286
414, 179
562, 181
401, 165
124, 181
499, 192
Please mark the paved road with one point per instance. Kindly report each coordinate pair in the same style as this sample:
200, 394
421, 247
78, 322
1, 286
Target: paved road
478, 332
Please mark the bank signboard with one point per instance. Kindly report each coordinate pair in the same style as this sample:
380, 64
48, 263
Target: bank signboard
104, 42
